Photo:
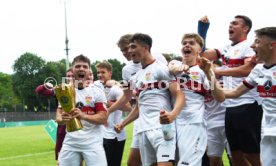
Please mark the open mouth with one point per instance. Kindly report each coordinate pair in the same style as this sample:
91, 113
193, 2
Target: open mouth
81, 75
187, 52
231, 32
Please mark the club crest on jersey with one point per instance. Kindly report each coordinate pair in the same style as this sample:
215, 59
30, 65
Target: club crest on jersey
148, 76
236, 52
274, 75
88, 99
267, 85
194, 75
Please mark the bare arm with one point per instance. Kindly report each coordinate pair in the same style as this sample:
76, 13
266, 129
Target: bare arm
59, 119
180, 102
241, 71
210, 54
126, 108
133, 115
122, 101
99, 118
216, 89
236, 92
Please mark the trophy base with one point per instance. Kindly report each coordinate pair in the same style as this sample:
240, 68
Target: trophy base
74, 125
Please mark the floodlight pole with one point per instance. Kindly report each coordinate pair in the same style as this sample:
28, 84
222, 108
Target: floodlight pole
66, 38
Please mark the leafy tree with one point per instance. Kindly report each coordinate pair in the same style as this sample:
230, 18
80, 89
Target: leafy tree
26, 77
117, 69
31, 71
7, 98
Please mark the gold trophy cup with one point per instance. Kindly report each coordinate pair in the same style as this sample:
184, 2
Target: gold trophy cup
66, 95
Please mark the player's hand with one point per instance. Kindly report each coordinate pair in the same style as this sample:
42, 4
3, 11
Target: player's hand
204, 19
77, 113
166, 117
119, 127
66, 116
176, 69
205, 64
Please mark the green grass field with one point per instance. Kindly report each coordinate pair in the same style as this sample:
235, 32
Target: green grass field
31, 146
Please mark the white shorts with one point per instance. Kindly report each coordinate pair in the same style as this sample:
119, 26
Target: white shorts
154, 148
73, 158
216, 141
268, 150
135, 139
191, 143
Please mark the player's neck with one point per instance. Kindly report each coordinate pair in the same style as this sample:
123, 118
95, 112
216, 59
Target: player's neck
271, 61
147, 60
190, 63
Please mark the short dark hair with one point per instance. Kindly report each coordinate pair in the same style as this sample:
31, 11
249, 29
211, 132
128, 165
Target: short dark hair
124, 39
142, 38
267, 31
247, 21
81, 58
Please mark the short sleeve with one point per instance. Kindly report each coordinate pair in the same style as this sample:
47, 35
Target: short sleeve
250, 80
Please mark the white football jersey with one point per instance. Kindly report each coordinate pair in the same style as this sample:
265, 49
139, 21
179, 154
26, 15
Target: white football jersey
112, 94
264, 78
233, 56
151, 84
89, 100
195, 86
214, 111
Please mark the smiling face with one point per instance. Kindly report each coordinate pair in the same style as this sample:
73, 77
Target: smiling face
190, 51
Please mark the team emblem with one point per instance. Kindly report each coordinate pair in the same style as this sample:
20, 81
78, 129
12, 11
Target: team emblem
148, 76
194, 75
88, 99
236, 52
274, 75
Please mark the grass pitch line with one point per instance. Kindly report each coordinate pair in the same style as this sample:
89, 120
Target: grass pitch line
26, 155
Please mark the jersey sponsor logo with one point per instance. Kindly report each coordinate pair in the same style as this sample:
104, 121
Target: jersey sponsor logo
88, 110
232, 62
79, 105
267, 85
267, 89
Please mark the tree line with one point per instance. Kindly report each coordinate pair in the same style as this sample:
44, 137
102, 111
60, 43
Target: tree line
17, 91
